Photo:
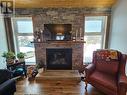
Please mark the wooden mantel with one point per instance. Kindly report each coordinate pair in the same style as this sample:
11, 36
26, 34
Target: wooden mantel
60, 42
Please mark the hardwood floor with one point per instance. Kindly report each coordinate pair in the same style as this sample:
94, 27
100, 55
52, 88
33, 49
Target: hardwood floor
25, 87
54, 87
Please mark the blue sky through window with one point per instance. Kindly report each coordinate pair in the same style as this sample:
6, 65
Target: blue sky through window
93, 26
25, 26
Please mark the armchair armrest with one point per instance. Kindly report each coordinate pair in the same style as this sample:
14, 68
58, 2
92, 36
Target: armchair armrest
122, 76
122, 84
8, 87
123, 81
5, 75
89, 69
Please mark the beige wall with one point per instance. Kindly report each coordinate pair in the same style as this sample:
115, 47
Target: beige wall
118, 32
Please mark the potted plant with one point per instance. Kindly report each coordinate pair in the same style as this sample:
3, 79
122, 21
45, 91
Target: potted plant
21, 56
40, 66
10, 56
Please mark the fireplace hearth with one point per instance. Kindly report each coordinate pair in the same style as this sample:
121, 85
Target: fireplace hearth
59, 58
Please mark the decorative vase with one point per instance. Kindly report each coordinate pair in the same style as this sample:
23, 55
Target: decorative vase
40, 70
21, 59
10, 61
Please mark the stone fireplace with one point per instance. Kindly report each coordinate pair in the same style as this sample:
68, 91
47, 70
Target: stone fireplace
59, 58
76, 53
73, 23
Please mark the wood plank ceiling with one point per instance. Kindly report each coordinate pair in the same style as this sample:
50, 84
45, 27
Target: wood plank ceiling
63, 3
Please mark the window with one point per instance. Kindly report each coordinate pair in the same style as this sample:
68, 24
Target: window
94, 35
3, 43
23, 35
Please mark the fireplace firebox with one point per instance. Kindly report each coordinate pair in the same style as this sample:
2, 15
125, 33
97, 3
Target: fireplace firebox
59, 58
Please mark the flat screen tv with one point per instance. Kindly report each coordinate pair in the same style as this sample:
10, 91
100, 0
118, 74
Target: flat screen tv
58, 31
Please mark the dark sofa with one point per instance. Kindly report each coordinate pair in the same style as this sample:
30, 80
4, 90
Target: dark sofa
7, 83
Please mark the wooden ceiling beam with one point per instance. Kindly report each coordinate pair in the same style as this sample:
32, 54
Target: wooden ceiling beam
62, 3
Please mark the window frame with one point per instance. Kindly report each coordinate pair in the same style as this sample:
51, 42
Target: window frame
16, 33
103, 28
103, 33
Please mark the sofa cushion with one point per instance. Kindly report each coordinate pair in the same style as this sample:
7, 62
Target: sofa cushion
104, 79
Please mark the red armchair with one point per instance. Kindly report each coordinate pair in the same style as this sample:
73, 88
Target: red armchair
107, 72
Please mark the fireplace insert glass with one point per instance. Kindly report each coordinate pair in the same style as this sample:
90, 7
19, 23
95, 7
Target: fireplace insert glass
58, 31
59, 59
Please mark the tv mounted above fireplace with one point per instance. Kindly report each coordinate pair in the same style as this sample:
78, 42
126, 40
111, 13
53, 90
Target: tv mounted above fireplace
58, 31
